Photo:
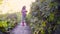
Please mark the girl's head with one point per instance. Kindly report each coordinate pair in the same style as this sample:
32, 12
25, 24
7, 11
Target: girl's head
24, 7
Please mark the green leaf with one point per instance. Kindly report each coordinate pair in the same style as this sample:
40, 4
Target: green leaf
3, 23
51, 17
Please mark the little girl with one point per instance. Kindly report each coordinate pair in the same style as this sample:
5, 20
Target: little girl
24, 13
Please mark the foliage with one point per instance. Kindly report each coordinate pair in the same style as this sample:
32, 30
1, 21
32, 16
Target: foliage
3, 23
7, 22
45, 13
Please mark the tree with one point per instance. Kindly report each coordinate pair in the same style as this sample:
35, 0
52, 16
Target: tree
44, 13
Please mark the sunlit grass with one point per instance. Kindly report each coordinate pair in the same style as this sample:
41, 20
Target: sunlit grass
1, 1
